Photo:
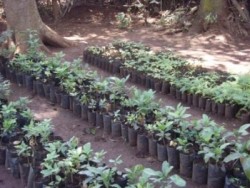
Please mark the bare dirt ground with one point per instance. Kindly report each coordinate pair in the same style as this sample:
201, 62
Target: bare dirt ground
92, 26
88, 26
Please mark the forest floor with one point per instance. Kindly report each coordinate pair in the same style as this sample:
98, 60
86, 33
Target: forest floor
88, 26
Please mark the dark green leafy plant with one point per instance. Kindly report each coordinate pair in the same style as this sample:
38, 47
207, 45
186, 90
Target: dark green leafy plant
134, 174
56, 146
9, 126
163, 129
144, 102
123, 20
118, 88
9, 111
211, 141
38, 133
241, 148
179, 114
27, 114
244, 81
24, 151
21, 104
132, 120
186, 140
52, 169
163, 177
34, 51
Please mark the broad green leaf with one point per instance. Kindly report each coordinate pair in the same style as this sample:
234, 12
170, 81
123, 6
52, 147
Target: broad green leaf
208, 156
223, 146
206, 133
245, 162
116, 186
166, 168
232, 157
87, 148
228, 134
177, 180
150, 172
243, 129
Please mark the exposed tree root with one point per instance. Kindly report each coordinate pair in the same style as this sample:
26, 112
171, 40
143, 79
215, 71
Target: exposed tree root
22, 15
173, 31
50, 37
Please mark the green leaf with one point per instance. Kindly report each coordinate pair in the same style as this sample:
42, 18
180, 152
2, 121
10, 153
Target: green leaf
177, 180
207, 133
166, 168
223, 146
243, 129
116, 186
148, 172
86, 172
208, 156
245, 162
228, 134
87, 148
58, 178
232, 157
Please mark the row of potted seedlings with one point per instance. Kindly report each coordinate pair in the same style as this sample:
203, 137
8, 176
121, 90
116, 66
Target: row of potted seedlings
214, 92
161, 132
32, 152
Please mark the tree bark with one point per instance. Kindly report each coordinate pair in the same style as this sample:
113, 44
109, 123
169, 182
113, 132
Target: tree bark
56, 10
23, 15
242, 11
216, 8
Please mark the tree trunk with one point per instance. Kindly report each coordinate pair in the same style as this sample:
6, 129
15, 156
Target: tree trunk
56, 10
23, 15
211, 12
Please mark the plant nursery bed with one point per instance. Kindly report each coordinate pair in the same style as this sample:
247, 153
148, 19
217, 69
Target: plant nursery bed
66, 125
120, 117
93, 108
163, 100
211, 91
94, 134
117, 116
